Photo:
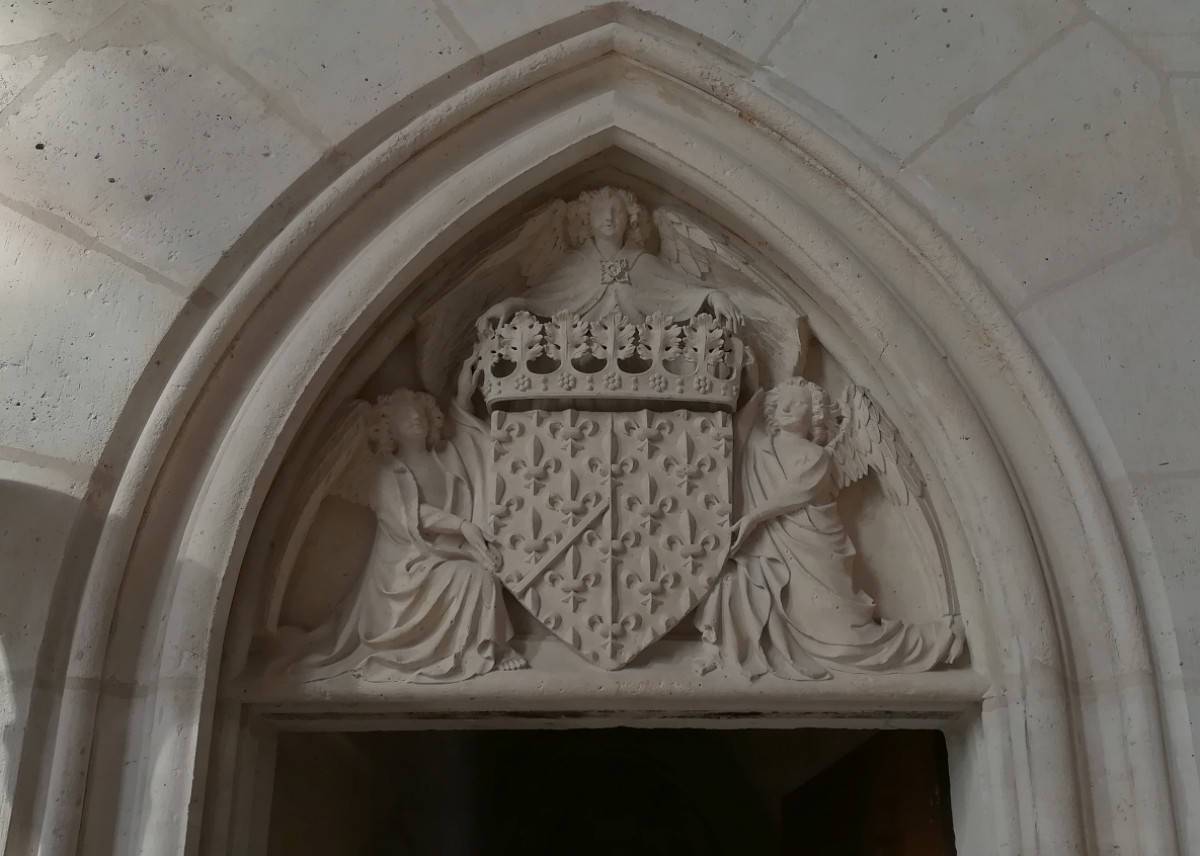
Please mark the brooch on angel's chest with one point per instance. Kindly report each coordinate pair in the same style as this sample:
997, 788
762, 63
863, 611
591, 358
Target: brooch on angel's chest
614, 270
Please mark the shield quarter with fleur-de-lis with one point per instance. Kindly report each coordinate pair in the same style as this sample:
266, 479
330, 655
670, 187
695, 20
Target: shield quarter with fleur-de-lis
613, 526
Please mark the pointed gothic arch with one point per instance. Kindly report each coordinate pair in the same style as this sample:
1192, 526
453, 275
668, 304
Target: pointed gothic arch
1065, 753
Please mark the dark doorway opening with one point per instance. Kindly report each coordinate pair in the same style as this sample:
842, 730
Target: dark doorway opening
604, 792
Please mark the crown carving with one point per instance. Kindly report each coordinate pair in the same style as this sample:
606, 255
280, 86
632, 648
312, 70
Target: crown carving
526, 358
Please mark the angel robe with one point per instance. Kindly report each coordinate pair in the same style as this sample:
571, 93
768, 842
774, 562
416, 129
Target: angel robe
632, 282
786, 603
424, 610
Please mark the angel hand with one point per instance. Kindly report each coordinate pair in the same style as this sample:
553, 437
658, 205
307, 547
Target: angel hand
469, 376
724, 310
496, 315
478, 542
740, 531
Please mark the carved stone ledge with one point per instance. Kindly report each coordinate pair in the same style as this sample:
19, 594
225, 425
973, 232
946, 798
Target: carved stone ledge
668, 687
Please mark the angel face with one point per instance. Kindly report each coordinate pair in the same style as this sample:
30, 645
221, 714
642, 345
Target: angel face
793, 410
799, 406
413, 417
609, 216
411, 423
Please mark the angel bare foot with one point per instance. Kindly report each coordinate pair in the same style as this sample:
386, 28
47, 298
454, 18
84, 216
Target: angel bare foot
510, 661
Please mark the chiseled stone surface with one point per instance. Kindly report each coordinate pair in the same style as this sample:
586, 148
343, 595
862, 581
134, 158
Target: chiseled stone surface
337, 75
1129, 336
1168, 31
1170, 507
1185, 96
1067, 164
61, 392
16, 72
898, 71
749, 28
40, 506
29, 20
146, 144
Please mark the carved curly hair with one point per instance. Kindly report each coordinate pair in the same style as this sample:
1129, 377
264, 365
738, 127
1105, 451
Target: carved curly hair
820, 403
394, 405
639, 232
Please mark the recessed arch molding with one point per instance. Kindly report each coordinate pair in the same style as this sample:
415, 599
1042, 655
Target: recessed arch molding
1068, 731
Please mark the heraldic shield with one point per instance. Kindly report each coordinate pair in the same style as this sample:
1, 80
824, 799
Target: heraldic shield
613, 525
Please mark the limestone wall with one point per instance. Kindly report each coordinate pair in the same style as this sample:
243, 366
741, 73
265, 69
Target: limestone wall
148, 148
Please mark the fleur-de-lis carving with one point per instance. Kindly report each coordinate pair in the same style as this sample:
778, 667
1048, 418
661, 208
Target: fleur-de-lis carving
503, 511
646, 431
605, 471
718, 506
505, 431
652, 584
572, 584
690, 545
651, 508
533, 548
535, 544
708, 426
691, 468
570, 436
611, 632
572, 504
535, 475
618, 546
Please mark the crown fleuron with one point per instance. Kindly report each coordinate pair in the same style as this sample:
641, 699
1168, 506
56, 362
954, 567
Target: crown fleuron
530, 358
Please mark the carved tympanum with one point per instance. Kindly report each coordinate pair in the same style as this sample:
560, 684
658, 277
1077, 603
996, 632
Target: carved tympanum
618, 487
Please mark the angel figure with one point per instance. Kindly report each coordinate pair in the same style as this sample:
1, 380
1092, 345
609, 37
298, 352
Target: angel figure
605, 253
428, 607
609, 271
786, 603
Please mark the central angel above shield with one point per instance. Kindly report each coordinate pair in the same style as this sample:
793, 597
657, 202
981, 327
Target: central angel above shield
611, 460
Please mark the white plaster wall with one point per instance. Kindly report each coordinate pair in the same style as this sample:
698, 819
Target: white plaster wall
1058, 143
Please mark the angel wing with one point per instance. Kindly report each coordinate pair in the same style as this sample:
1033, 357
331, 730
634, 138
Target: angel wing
445, 332
343, 466
776, 334
689, 247
867, 440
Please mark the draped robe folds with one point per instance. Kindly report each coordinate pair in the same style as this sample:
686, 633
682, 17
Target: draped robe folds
786, 602
576, 286
424, 609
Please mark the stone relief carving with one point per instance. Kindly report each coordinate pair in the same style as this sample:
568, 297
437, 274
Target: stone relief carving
427, 608
618, 489
612, 526
786, 603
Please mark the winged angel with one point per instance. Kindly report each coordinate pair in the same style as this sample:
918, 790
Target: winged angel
427, 607
786, 603
605, 253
